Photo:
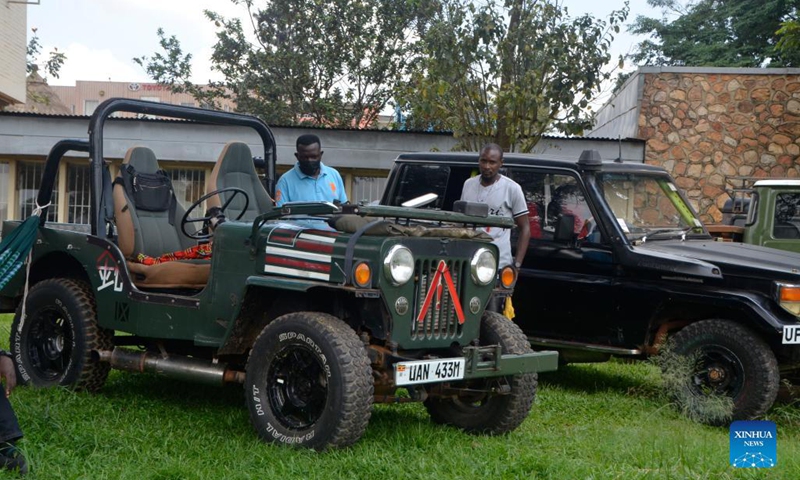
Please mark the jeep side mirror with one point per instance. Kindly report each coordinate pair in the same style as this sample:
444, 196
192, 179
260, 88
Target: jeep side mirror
420, 201
565, 228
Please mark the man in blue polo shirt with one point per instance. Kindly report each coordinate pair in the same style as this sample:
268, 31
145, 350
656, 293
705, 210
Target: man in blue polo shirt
310, 179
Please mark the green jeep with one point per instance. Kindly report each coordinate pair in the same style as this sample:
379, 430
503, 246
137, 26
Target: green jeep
318, 310
761, 211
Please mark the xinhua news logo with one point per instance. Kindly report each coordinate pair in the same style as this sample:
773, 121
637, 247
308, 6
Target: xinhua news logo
754, 444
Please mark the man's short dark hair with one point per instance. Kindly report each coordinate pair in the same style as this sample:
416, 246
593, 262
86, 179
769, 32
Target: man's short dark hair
308, 139
493, 146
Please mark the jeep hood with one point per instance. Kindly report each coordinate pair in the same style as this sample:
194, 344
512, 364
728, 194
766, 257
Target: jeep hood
733, 258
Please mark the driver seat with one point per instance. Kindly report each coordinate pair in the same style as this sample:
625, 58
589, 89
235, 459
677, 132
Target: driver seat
235, 168
152, 233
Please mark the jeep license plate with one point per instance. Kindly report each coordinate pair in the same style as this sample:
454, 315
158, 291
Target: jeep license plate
791, 334
427, 371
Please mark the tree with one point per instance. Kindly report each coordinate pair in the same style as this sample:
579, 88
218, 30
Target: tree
789, 38
507, 73
720, 33
329, 62
51, 66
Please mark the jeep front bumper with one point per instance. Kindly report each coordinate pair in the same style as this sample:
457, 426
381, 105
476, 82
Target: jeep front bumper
477, 362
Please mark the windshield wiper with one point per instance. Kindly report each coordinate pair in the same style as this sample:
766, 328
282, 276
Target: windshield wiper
672, 231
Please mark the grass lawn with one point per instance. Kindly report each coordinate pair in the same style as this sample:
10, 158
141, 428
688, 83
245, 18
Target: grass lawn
606, 421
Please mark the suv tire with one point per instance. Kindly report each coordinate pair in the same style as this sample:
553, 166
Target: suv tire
54, 345
487, 413
309, 382
730, 360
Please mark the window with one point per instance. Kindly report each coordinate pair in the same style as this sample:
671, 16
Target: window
3, 191
187, 104
367, 189
89, 106
29, 177
189, 184
549, 196
417, 180
787, 216
79, 197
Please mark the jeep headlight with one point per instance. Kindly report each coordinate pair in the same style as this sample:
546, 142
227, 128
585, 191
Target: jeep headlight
399, 265
788, 296
483, 266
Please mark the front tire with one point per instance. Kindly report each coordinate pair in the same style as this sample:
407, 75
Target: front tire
725, 359
53, 345
309, 382
488, 412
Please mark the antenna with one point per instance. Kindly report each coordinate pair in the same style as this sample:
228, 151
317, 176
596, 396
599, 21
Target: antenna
619, 142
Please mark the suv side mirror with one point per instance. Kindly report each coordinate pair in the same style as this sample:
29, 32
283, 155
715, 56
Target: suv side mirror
565, 228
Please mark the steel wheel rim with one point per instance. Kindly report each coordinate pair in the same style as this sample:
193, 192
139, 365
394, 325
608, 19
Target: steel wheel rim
719, 369
297, 387
49, 343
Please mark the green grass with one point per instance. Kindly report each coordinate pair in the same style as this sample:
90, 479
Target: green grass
606, 421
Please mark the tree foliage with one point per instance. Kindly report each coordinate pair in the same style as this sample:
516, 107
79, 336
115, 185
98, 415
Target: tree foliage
52, 64
507, 72
330, 62
721, 33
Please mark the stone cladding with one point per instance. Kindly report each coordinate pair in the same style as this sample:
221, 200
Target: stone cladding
704, 128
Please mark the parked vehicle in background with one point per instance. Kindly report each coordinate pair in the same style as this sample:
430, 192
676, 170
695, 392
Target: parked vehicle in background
619, 264
761, 212
316, 311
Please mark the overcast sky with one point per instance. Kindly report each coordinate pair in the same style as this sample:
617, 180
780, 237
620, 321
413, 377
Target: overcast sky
101, 37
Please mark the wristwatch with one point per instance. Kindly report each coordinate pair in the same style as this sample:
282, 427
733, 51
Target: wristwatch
517, 264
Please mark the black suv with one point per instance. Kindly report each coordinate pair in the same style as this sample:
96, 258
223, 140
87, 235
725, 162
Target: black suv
619, 261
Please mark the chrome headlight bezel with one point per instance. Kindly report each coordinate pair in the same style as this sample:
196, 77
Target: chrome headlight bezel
483, 266
398, 265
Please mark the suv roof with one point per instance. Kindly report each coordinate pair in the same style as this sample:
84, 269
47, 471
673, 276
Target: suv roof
522, 159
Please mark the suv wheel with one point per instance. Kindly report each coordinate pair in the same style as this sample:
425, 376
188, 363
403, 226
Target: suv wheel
53, 345
486, 412
728, 360
309, 382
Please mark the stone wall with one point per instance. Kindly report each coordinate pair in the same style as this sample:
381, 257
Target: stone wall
704, 127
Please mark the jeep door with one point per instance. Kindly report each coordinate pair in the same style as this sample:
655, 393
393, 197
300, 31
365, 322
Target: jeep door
566, 289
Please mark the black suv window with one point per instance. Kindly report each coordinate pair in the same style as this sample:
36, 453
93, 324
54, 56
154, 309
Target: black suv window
550, 195
447, 181
787, 216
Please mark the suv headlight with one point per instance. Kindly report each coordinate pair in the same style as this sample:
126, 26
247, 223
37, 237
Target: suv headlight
483, 266
399, 265
788, 297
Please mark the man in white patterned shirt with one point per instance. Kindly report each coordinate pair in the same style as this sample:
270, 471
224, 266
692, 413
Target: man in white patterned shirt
504, 198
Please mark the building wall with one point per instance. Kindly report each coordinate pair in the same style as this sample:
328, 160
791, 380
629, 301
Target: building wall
706, 127
86, 95
13, 43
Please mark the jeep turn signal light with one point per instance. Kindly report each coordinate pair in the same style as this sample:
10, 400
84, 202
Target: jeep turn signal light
362, 275
508, 276
789, 298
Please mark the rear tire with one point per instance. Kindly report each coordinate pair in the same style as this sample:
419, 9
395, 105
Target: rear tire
53, 346
309, 382
490, 413
729, 360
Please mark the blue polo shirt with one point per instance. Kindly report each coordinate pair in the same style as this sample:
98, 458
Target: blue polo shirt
296, 186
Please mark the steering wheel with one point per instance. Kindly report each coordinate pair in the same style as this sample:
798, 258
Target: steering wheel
198, 235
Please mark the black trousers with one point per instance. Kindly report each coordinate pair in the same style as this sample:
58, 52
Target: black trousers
9, 426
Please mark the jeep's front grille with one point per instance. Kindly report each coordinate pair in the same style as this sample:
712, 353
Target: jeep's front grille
439, 319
